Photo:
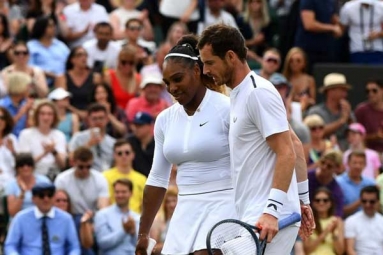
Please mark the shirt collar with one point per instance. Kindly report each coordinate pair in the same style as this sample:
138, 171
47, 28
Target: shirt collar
39, 214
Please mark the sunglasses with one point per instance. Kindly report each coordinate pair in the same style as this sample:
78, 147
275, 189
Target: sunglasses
24, 164
58, 200
84, 167
125, 62
120, 153
42, 195
374, 91
315, 128
272, 60
327, 165
319, 200
2, 117
80, 54
20, 52
366, 201
296, 60
135, 28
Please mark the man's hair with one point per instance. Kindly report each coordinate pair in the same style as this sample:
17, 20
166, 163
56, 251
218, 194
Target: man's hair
103, 24
371, 189
125, 182
121, 142
356, 153
96, 107
223, 38
82, 154
378, 82
127, 24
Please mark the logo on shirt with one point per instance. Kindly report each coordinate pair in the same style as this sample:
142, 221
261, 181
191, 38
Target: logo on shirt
55, 239
235, 119
202, 124
273, 206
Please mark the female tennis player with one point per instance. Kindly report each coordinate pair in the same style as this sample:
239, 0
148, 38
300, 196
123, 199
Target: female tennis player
193, 134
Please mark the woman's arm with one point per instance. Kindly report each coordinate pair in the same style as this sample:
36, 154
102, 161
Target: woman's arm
75, 124
338, 237
118, 34
41, 82
189, 11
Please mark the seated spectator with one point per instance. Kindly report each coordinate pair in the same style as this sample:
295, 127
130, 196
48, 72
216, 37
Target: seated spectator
87, 188
335, 110
62, 200
303, 85
18, 191
355, 137
6, 42
323, 176
352, 182
44, 141
150, 100
364, 229
45, 50
80, 18
116, 226
20, 64
174, 34
42, 229
125, 12
78, 80
124, 81
142, 142
118, 122
370, 115
8, 148
271, 62
17, 102
95, 138
102, 51
69, 122
161, 222
123, 157
328, 237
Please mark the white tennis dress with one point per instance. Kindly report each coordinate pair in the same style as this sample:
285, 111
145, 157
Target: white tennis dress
199, 146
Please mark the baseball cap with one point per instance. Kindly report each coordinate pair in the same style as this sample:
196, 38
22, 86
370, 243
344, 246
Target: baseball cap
151, 79
278, 79
142, 118
59, 94
357, 128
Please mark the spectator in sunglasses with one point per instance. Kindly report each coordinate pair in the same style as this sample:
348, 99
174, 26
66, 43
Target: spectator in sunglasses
363, 230
123, 158
18, 191
43, 228
271, 62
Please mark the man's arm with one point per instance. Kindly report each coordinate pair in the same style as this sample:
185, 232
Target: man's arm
351, 208
103, 195
312, 25
350, 244
14, 237
72, 237
107, 238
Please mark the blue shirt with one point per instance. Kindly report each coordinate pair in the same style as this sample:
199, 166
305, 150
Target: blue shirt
351, 190
111, 236
7, 103
25, 235
51, 58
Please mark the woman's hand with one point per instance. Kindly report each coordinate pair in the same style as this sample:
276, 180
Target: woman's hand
142, 244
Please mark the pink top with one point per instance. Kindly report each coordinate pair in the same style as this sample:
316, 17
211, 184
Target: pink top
139, 104
373, 162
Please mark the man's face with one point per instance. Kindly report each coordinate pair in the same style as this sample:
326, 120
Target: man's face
216, 5
104, 34
133, 30
374, 93
122, 195
369, 203
142, 131
270, 62
337, 93
123, 155
44, 200
327, 167
83, 168
153, 92
98, 119
356, 165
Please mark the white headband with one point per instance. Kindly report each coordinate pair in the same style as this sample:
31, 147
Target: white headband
180, 55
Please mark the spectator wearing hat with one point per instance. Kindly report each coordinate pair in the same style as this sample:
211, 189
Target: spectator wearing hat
43, 228
370, 115
69, 122
355, 136
150, 100
123, 169
142, 141
352, 182
271, 61
336, 110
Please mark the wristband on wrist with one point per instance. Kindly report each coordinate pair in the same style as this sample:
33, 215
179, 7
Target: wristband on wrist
303, 191
275, 202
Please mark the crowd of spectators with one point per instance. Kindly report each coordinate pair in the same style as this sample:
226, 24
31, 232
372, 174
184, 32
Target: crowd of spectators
81, 87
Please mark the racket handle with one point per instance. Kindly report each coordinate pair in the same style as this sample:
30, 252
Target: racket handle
293, 218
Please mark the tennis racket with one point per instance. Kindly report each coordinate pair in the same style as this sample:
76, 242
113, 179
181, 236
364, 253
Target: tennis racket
234, 237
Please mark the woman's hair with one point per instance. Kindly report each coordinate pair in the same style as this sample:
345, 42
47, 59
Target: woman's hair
9, 123
173, 27
264, 13
20, 43
50, 104
40, 27
18, 83
69, 209
187, 45
330, 211
286, 67
110, 96
128, 51
171, 192
313, 120
22, 159
68, 64
4, 21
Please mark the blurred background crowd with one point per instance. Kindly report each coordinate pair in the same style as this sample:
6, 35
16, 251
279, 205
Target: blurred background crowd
81, 86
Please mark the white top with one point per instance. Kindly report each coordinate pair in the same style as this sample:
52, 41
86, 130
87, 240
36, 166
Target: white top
31, 140
7, 161
175, 9
197, 144
255, 114
358, 19
367, 232
224, 18
124, 15
108, 56
78, 20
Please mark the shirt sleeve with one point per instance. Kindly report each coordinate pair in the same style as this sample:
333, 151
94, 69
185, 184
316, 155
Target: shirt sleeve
107, 238
349, 228
307, 5
24, 144
74, 142
103, 187
11, 188
267, 111
13, 240
344, 17
60, 141
161, 168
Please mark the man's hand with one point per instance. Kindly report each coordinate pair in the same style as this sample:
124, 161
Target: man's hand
269, 227
95, 138
129, 226
374, 35
337, 31
307, 222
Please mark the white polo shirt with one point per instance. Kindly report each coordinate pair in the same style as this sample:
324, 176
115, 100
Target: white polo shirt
257, 112
109, 56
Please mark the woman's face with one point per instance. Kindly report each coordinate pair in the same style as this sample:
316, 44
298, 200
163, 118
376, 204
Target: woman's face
297, 63
176, 34
46, 116
170, 204
322, 202
25, 171
79, 58
317, 131
255, 5
101, 95
61, 201
63, 103
21, 54
126, 64
181, 82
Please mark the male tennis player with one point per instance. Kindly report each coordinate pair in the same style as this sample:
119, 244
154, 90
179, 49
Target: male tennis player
261, 144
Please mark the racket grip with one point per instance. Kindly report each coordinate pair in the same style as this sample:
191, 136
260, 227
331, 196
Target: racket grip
293, 218
151, 245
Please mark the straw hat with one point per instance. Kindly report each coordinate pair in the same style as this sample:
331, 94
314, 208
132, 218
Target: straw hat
334, 80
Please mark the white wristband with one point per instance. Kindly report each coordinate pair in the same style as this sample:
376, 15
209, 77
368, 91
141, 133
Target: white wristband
275, 202
303, 191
